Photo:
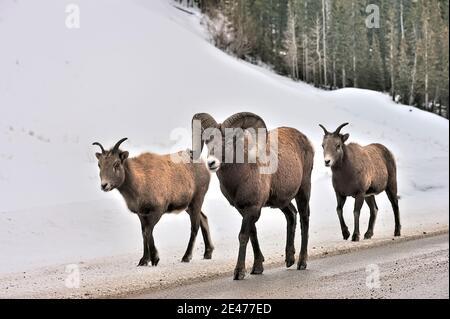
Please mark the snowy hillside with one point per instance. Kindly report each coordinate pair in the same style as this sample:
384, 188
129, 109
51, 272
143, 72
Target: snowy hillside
141, 69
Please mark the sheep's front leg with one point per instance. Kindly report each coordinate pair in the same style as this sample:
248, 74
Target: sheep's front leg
148, 222
146, 257
340, 212
359, 201
195, 225
250, 216
258, 261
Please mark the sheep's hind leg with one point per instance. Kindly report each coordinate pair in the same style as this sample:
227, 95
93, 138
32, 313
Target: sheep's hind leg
302, 199
291, 218
373, 216
393, 198
209, 247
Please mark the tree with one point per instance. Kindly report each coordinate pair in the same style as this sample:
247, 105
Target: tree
291, 41
327, 43
324, 41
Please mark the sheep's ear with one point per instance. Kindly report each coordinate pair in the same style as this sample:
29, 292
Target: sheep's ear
345, 137
123, 156
98, 155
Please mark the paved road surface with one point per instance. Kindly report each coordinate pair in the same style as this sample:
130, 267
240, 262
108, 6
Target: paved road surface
412, 269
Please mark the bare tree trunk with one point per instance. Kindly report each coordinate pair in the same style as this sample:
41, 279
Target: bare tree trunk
334, 71
392, 58
414, 73
295, 57
355, 78
402, 24
413, 80
319, 55
305, 46
324, 39
314, 73
427, 98
436, 96
291, 43
344, 78
306, 53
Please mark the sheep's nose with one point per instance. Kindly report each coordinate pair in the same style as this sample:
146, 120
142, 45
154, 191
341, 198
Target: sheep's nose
212, 163
327, 162
104, 186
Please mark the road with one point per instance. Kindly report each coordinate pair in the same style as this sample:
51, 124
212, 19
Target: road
411, 269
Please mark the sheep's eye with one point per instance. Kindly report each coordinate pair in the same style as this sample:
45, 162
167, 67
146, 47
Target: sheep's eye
98, 165
338, 147
323, 146
116, 165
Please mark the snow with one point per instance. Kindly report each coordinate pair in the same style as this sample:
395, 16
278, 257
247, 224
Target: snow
141, 69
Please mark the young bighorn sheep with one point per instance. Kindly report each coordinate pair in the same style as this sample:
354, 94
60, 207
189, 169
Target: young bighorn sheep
249, 190
361, 172
152, 185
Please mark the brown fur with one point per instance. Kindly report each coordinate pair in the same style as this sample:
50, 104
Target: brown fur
249, 191
153, 185
243, 184
361, 172
365, 170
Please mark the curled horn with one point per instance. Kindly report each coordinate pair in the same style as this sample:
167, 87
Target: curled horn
324, 129
100, 145
207, 121
338, 130
116, 147
244, 120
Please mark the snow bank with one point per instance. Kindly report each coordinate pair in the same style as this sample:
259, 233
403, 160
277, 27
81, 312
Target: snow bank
141, 69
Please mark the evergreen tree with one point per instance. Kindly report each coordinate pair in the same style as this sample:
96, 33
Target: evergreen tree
327, 43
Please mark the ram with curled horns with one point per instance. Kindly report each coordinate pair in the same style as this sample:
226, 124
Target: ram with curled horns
249, 189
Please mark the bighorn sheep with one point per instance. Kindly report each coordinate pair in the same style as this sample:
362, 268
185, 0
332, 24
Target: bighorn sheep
360, 172
249, 190
152, 185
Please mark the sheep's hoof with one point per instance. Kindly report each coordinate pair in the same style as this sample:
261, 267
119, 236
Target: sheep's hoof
257, 269
345, 234
290, 260
186, 259
208, 254
301, 265
368, 235
355, 237
143, 262
239, 274
397, 233
155, 261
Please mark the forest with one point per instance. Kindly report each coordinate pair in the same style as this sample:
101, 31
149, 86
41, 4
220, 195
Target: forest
400, 47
